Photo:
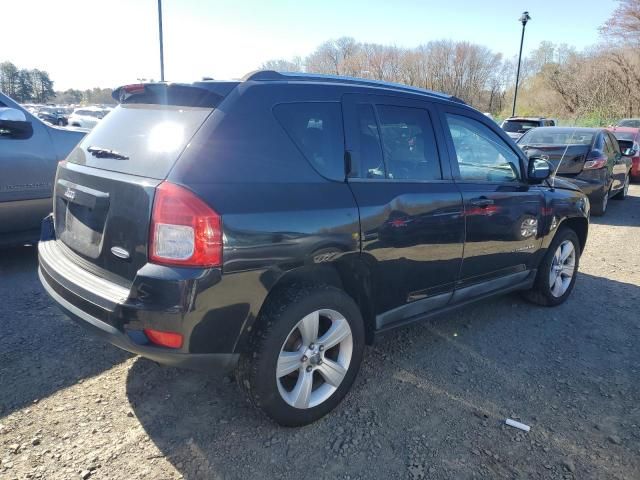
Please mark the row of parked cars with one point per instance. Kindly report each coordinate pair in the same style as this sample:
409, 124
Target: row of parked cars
276, 225
601, 161
62, 116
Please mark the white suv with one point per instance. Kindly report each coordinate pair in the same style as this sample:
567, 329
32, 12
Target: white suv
87, 117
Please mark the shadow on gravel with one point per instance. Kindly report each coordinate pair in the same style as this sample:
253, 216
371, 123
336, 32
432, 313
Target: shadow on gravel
622, 213
41, 350
432, 398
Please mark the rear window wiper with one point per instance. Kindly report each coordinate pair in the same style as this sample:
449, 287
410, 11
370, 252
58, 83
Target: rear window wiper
106, 153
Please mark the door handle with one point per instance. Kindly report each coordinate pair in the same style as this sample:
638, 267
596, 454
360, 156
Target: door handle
481, 202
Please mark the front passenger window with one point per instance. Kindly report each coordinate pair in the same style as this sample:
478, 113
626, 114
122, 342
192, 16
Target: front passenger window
482, 154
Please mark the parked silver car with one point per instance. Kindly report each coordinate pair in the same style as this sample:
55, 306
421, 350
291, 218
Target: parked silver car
29, 154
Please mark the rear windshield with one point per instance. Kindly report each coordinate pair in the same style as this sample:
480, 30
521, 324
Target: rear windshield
629, 122
140, 139
519, 126
625, 135
556, 136
625, 144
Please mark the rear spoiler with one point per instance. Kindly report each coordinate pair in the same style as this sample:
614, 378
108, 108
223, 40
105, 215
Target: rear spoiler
201, 94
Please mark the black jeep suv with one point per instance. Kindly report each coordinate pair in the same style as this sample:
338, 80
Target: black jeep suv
275, 225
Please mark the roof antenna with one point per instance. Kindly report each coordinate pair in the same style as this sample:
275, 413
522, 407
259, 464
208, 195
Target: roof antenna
566, 147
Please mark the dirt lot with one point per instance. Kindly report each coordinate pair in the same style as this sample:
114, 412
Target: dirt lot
430, 401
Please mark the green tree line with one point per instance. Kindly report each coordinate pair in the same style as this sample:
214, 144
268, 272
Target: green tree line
25, 85
35, 86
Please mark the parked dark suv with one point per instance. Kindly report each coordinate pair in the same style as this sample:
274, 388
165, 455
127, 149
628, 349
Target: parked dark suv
277, 224
518, 126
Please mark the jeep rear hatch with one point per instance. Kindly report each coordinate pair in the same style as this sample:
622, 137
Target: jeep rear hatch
104, 192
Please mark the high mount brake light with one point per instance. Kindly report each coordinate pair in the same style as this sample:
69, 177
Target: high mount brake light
134, 88
184, 230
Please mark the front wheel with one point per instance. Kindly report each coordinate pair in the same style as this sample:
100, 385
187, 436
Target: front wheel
558, 270
304, 355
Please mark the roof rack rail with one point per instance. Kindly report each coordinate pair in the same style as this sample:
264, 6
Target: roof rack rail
266, 75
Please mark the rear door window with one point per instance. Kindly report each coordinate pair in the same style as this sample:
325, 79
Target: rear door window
408, 142
371, 163
316, 129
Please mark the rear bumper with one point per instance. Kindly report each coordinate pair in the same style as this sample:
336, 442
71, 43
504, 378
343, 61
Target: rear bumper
220, 362
191, 302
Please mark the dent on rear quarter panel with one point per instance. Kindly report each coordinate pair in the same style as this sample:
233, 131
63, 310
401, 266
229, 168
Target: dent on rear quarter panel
278, 213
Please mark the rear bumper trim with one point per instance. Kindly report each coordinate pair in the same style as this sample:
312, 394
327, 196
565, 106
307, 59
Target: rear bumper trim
67, 273
75, 310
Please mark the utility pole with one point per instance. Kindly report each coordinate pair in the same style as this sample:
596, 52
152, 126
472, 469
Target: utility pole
523, 19
162, 46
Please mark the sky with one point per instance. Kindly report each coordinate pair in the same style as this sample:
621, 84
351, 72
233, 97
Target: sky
106, 43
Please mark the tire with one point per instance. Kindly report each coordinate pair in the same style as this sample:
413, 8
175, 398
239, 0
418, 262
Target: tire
599, 208
543, 292
61, 123
279, 332
625, 189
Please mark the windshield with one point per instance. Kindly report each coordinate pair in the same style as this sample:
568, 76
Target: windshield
519, 126
557, 136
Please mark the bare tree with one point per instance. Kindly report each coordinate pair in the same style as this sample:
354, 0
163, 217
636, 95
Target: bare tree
624, 23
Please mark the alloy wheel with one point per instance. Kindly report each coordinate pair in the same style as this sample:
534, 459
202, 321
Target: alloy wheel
314, 359
563, 268
529, 227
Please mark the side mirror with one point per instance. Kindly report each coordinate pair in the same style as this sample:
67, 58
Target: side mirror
539, 170
629, 152
14, 124
12, 115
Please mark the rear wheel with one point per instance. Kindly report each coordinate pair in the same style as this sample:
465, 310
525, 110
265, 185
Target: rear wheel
625, 189
558, 270
305, 354
599, 207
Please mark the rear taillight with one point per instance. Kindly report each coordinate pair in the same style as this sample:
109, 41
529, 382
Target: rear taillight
595, 163
184, 230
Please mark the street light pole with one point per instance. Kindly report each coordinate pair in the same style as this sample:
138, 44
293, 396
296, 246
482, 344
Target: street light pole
523, 19
161, 43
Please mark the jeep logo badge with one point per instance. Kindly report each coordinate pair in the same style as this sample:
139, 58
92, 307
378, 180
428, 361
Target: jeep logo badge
70, 194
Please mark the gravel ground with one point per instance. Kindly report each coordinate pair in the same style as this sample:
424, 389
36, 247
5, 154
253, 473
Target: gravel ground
430, 400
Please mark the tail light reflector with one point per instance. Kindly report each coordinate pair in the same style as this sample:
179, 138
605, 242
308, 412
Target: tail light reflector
184, 230
164, 339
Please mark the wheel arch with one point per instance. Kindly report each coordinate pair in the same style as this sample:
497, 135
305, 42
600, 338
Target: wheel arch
580, 226
349, 275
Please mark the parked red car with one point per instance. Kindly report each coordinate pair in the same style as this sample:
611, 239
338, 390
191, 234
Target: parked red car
629, 138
